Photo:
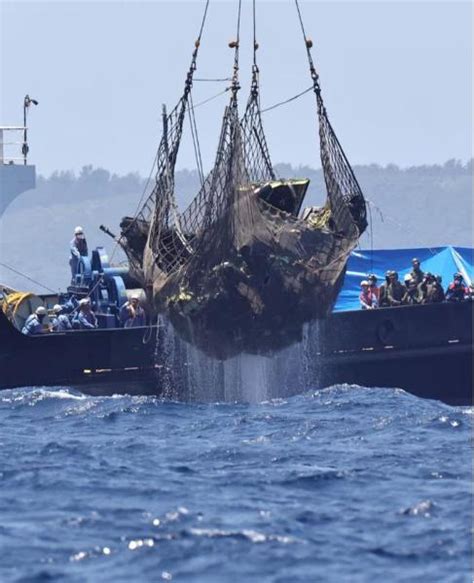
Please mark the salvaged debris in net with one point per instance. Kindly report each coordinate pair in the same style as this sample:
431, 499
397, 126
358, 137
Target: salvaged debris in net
243, 268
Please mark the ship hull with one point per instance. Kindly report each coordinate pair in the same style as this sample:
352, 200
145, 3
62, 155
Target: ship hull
425, 350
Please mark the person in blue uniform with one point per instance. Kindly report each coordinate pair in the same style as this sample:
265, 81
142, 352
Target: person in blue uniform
85, 318
60, 322
78, 248
34, 323
132, 314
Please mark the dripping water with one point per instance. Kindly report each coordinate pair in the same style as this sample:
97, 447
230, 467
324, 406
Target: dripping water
185, 373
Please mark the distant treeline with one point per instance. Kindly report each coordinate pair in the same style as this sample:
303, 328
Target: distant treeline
420, 206
380, 183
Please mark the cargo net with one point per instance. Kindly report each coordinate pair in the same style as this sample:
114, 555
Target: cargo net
160, 203
226, 270
239, 270
345, 197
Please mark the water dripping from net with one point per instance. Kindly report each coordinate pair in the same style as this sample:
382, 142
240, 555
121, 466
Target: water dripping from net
185, 373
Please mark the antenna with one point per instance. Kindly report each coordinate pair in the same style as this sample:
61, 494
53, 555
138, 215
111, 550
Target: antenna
25, 148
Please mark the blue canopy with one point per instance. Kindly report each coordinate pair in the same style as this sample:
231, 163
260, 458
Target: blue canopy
444, 261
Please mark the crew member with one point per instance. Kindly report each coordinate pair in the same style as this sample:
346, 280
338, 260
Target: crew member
395, 290
383, 298
372, 279
411, 295
85, 318
34, 323
416, 272
368, 301
423, 287
132, 315
471, 292
435, 292
78, 247
60, 321
457, 291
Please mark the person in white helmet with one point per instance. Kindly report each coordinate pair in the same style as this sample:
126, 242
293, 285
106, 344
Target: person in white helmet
34, 323
132, 315
60, 322
78, 247
85, 318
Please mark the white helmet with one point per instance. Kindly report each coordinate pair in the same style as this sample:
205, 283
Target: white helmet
364, 283
135, 297
41, 311
57, 309
407, 278
84, 302
78, 231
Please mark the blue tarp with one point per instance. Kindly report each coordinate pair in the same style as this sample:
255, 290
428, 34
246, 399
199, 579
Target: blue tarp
444, 261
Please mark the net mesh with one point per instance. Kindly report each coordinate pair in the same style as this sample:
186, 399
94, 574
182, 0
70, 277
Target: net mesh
228, 269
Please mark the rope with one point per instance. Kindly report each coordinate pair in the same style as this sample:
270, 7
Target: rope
397, 224
210, 98
235, 77
27, 277
287, 100
217, 80
203, 20
195, 137
312, 68
371, 241
255, 45
188, 84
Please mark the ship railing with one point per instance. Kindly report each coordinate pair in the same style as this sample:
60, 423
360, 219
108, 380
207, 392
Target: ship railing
14, 148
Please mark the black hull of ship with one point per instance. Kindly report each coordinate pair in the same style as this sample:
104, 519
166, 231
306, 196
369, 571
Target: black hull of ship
425, 350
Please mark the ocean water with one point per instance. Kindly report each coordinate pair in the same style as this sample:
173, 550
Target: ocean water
343, 484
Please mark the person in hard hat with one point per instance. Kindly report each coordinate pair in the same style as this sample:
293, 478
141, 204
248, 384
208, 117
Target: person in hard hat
395, 290
85, 318
34, 323
457, 291
372, 279
435, 292
60, 321
424, 286
383, 298
411, 295
416, 273
367, 299
78, 247
132, 315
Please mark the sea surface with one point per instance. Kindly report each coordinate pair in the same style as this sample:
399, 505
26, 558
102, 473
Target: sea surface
343, 484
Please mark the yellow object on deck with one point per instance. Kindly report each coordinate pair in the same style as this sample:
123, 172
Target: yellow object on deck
17, 306
320, 219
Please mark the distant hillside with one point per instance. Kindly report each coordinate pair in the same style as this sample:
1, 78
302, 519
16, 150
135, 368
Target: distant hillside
412, 207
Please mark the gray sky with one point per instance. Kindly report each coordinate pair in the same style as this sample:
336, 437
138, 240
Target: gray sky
396, 77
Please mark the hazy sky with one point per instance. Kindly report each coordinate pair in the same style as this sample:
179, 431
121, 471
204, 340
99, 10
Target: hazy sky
396, 77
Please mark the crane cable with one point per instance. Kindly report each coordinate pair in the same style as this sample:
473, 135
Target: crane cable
312, 68
13, 270
236, 45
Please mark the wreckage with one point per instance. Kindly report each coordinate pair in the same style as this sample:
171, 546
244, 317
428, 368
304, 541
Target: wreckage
242, 269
